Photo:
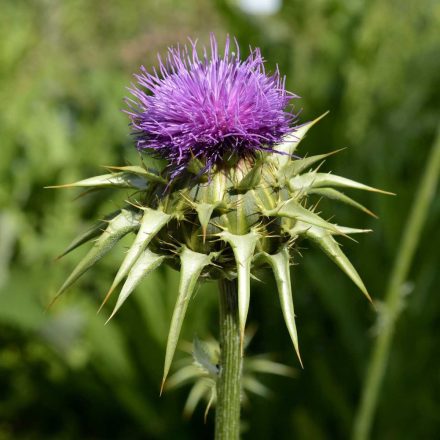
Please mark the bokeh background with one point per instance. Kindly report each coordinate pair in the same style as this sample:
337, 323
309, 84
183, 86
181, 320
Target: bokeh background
64, 69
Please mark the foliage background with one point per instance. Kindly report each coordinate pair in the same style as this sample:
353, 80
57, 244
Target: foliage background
64, 67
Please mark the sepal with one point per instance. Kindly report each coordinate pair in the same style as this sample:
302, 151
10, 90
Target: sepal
290, 143
204, 213
243, 247
334, 194
112, 180
125, 222
297, 166
192, 264
306, 181
152, 222
88, 235
280, 264
145, 264
293, 210
148, 174
251, 179
332, 249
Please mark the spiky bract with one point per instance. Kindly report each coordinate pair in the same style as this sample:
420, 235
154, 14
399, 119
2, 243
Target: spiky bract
208, 107
243, 218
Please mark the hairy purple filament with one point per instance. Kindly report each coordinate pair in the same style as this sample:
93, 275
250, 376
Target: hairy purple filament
209, 107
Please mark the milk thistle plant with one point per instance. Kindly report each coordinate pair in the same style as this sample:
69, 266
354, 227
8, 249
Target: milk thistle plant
226, 197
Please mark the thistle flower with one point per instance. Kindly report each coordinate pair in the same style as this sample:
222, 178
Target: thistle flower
221, 218
210, 107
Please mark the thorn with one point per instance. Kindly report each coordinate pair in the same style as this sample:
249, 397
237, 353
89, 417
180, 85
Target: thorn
85, 193
107, 296
369, 299
300, 360
52, 302
66, 185
109, 318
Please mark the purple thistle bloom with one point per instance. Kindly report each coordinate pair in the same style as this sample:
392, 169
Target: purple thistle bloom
209, 107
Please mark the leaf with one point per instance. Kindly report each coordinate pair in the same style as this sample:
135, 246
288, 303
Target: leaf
146, 263
117, 228
280, 264
261, 365
243, 247
334, 194
291, 142
192, 264
183, 376
88, 235
152, 222
254, 386
317, 180
202, 358
212, 399
112, 180
198, 391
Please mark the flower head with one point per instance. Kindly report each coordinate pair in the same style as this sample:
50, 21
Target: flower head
209, 107
249, 215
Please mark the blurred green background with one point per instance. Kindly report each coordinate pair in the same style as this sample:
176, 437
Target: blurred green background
64, 69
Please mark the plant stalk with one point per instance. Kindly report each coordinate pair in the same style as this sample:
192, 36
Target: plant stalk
393, 298
227, 417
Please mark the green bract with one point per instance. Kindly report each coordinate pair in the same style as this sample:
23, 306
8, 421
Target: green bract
245, 216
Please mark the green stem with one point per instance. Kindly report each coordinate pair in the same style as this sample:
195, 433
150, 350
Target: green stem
393, 298
227, 417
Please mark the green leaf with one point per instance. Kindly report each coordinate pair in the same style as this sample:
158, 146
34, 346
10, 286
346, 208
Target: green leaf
192, 264
119, 226
334, 194
202, 358
243, 247
200, 389
254, 386
88, 235
280, 264
146, 263
317, 180
152, 222
261, 365
291, 141
183, 376
112, 180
